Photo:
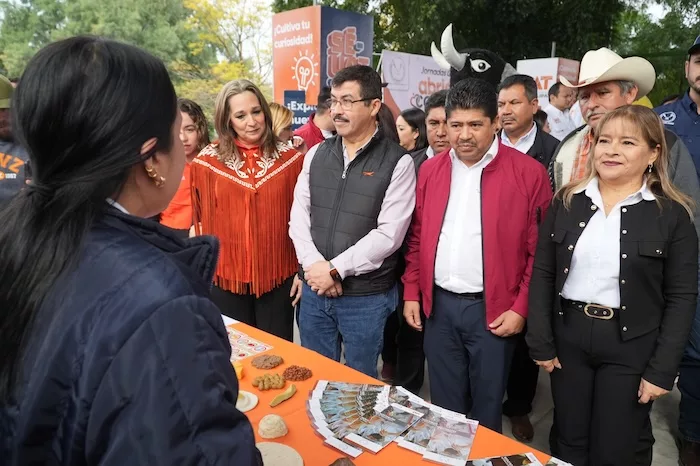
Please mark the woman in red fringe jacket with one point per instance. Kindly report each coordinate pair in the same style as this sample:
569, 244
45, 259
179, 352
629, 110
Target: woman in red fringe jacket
242, 192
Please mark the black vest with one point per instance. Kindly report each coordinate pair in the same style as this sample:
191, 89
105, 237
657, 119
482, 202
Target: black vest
345, 204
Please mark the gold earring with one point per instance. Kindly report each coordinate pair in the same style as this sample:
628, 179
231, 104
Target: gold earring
153, 174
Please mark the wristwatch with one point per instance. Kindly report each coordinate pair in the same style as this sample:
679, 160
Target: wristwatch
334, 273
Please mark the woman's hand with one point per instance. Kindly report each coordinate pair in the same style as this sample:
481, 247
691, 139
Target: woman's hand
649, 392
550, 365
295, 293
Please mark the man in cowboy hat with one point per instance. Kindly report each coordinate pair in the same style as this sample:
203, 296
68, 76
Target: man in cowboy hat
12, 155
683, 118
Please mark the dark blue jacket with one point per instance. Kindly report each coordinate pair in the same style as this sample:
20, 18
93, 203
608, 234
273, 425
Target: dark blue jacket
682, 118
128, 363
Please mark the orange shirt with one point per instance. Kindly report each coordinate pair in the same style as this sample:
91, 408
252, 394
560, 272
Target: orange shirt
178, 215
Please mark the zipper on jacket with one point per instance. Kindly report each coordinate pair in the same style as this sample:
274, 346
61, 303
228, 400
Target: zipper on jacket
483, 265
339, 196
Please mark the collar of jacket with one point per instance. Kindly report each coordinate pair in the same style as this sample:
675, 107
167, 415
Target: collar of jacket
196, 255
336, 143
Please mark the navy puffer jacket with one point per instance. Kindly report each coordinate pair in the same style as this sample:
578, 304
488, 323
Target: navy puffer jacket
128, 363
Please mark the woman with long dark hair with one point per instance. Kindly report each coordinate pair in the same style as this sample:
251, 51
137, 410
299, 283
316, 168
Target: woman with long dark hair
410, 126
111, 351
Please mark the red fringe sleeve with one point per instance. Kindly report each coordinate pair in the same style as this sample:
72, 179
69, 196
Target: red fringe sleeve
251, 219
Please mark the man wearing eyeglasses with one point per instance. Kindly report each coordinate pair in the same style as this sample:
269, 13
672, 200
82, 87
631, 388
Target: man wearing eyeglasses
352, 207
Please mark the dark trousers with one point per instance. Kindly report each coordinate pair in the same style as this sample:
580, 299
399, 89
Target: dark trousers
272, 312
598, 418
465, 360
390, 348
522, 380
410, 367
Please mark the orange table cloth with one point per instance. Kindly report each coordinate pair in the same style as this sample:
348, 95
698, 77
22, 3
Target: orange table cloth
302, 436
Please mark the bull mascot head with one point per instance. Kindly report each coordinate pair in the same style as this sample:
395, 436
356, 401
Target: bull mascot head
469, 63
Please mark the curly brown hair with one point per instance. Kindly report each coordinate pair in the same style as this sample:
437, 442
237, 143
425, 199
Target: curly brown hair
195, 112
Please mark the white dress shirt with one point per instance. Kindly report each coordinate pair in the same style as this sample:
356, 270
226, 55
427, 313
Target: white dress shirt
594, 274
116, 205
459, 264
575, 114
327, 134
523, 144
560, 123
430, 153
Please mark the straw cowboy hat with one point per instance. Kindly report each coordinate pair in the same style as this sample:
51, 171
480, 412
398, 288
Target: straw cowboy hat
604, 65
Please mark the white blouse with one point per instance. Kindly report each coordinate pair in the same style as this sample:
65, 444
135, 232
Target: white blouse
595, 265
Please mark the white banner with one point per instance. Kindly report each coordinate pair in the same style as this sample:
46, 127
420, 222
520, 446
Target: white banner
411, 79
546, 72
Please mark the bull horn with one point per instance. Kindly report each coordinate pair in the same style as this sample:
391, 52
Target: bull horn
452, 56
439, 57
508, 70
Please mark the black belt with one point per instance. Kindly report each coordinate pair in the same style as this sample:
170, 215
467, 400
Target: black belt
594, 311
477, 295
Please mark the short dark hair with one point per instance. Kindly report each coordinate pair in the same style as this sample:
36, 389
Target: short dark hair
540, 118
472, 94
323, 97
415, 117
554, 90
369, 80
524, 80
435, 100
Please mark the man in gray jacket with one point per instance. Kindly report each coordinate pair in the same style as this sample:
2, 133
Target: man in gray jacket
12, 156
607, 82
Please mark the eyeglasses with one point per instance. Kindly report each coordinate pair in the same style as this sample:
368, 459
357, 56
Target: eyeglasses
346, 103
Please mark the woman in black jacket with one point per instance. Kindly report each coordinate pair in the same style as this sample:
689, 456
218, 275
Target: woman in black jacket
111, 352
613, 292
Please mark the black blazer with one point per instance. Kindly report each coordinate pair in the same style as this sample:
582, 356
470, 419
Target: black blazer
544, 147
658, 278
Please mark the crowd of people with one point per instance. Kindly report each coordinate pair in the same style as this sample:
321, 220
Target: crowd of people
488, 233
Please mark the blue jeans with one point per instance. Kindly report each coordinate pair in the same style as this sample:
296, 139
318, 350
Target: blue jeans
357, 320
689, 384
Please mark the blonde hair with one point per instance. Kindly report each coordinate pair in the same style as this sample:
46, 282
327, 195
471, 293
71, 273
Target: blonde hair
281, 118
652, 130
222, 121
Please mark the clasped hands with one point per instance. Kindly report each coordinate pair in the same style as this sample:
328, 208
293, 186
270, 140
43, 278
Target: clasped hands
318, 277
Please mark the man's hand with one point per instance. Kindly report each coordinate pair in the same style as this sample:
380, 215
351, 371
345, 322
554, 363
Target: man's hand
649, 392
411, 312
318, 276
335, 291
295, 292
507, 324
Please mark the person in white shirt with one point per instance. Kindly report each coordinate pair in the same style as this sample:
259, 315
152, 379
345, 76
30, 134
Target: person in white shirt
560, 101
613, 292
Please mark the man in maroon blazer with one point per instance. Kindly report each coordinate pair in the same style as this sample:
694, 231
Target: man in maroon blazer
470, 252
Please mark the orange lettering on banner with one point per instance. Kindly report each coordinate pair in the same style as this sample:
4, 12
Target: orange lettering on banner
341, 51
543, 82
428, 86
16, 165
4, 160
